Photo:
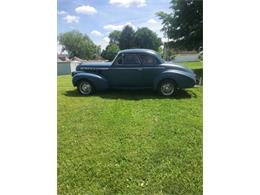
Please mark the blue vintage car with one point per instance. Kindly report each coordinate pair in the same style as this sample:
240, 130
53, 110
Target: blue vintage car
135, 69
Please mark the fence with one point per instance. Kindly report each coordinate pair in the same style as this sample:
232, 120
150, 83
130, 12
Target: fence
64, 68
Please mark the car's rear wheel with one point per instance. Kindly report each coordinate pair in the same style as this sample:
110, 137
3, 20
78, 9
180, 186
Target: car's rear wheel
85, 87
167, 87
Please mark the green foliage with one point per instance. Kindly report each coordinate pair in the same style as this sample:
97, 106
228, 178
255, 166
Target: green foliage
160, 51
142, 38
129, 142
185, 24
110, 52
114, 37
127, 38
78, 44
145, 38
169, 53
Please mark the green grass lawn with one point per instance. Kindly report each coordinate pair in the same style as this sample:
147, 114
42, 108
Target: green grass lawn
129, 142
193, 65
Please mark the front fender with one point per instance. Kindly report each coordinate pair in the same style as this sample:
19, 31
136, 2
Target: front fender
99, 82
183, 79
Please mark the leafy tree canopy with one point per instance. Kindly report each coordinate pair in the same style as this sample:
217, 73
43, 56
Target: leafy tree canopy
127, 38
114, 37
184, 26
110, 52
78, 44
145, 38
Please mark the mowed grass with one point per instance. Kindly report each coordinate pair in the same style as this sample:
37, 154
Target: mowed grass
129, 142
193, 65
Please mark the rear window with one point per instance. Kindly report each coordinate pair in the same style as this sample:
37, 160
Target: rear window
148, 59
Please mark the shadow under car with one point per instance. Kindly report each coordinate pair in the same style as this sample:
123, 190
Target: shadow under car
133, 94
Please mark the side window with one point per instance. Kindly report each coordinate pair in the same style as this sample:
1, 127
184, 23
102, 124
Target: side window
131, 59
119, 60
148, 59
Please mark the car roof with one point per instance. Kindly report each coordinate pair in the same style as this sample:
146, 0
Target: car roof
148, 51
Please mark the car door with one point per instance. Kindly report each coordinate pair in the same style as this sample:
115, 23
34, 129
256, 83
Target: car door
151, 69
126, 71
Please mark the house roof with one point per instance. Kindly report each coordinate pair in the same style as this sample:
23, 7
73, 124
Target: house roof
62, 57
75, 58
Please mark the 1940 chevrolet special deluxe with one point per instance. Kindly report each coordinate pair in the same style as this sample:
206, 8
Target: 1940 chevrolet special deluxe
135, 69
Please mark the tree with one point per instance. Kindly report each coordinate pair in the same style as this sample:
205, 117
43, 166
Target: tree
110, 52
145, 38
78, 44
114, 37
127, 38
184, 25
168, 53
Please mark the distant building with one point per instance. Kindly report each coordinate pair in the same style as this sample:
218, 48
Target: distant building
77, 59
63, 58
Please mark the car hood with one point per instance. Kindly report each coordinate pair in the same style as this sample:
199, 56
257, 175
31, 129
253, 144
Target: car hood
83, 66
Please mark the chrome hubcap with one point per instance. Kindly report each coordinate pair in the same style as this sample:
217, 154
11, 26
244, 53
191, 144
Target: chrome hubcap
85, 88
167, 88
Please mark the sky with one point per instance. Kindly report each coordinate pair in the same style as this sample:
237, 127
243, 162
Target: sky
97, 18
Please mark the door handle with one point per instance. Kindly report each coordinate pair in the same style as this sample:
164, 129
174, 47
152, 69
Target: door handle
139, 69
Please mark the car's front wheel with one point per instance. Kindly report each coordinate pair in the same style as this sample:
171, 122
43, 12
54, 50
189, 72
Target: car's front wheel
85, 87
167, 87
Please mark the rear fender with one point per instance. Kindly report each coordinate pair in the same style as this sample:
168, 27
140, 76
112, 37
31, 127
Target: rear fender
182, 79
99, 82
